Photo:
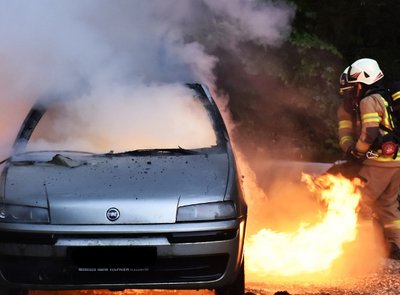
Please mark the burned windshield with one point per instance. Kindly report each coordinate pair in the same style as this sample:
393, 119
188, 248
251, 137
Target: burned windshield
173, 118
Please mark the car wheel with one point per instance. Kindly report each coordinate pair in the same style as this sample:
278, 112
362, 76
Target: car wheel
8, 291
236, 287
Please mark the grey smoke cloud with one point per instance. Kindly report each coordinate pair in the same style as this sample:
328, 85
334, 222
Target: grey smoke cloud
265, 22
76, 47
62, 45
126, 118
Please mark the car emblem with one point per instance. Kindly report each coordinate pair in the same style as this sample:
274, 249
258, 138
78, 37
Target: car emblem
112, 214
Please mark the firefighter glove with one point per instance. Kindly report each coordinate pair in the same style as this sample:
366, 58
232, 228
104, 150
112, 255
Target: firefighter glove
353, 155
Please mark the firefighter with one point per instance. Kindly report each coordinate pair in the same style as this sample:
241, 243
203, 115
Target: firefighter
363, 119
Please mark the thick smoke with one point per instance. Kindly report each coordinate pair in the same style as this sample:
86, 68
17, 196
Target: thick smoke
111, 119
68, 46
67, 49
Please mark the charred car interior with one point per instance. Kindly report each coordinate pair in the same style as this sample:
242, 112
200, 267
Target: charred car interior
165, 216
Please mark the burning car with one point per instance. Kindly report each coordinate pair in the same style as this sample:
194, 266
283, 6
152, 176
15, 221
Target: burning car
166, 216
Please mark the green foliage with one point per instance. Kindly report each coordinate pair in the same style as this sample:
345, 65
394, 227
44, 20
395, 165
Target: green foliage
359, 28
308, 41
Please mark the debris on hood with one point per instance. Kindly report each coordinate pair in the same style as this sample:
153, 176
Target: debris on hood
61, 160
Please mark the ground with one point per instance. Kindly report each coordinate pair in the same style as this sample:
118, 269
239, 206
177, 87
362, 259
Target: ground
385, 281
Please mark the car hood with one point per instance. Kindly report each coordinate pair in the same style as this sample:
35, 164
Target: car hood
145, 189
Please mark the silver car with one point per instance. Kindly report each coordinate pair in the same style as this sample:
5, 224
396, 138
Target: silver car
165, 217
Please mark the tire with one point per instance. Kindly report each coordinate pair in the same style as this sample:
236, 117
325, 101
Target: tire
8, 291
236, 287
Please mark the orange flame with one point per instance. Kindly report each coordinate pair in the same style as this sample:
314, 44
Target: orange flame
311, 248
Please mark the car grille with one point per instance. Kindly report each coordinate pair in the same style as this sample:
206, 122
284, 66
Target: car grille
199, 237
112, 266
173, 238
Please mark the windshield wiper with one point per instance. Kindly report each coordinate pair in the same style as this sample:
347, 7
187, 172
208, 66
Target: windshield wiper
5, 160
169, 151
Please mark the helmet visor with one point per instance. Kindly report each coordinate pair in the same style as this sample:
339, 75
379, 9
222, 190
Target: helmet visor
346, 89
343, 80
349, 77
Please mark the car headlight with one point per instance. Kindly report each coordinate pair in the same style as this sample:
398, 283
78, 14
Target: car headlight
23, 214
207, 212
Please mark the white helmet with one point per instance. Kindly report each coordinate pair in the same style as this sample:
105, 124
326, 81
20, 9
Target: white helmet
365, 70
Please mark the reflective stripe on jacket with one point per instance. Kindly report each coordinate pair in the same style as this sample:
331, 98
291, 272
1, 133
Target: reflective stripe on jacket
346, 129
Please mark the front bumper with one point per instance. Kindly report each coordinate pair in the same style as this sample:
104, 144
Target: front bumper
188, 255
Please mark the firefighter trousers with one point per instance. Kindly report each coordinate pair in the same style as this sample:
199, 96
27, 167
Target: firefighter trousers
380, 194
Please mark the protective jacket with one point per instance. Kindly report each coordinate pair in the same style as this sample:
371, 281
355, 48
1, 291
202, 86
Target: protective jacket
359, 127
